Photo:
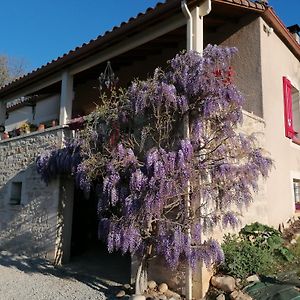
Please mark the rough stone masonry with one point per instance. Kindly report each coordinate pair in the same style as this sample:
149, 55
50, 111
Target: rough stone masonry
28, 224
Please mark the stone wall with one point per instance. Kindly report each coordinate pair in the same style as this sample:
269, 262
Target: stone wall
30, 227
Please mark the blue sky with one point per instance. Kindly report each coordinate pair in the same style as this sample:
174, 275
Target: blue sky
40, 30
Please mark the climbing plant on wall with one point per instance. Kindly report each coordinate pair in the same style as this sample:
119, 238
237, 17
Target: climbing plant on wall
167, 161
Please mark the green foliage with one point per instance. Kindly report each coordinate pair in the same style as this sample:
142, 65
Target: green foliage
256, 249
295, 250
242, 257
10, 69
266, 237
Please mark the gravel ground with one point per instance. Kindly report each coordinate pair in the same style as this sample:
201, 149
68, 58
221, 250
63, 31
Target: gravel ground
25, 278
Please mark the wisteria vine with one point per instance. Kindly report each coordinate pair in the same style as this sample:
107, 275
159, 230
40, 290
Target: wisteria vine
134, 152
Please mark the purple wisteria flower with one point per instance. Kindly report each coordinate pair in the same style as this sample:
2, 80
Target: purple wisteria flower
160, 190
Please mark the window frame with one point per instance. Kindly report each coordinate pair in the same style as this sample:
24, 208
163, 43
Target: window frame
16, 193
289, 90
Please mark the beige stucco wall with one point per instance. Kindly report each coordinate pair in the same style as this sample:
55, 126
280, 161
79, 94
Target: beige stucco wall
258, 209
278, 61
245, 37
262, 61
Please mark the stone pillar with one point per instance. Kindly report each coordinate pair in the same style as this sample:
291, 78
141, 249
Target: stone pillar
66, 98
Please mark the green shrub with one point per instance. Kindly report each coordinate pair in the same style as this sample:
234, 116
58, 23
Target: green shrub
256, 249
295, 250
267, 237
243, 258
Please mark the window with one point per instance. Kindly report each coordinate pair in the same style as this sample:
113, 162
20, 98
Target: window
296, 184
291, 111
296, 109
16, 193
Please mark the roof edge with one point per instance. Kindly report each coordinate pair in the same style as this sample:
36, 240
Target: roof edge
272, 19
146, 18
94, 45
245, 4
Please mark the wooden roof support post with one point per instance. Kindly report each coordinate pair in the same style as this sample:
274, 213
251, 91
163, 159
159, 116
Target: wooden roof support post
66, 98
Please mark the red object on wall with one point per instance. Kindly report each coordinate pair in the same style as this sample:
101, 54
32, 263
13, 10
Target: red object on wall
288, 108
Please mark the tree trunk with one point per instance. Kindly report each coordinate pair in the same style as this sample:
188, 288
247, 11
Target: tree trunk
141, 277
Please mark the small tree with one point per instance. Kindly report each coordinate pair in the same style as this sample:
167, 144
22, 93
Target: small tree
10, 69
159, 188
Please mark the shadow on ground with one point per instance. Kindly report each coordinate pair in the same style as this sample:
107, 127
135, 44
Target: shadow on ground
99, 273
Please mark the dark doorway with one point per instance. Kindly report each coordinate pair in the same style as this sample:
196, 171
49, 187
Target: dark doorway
87, 251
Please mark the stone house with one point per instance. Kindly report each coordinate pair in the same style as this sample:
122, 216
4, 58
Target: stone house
38, 220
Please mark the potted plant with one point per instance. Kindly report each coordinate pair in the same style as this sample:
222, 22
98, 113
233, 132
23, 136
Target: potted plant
54, 123
25, 128
33, 127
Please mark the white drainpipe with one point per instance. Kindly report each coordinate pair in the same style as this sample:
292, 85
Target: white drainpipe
194, 42
188, 15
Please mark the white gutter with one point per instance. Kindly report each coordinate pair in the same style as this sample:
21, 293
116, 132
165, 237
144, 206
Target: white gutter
194, 42
188, 15
186, 133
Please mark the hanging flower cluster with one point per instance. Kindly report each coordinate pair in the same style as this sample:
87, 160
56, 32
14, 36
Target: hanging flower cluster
67, 160
167, 162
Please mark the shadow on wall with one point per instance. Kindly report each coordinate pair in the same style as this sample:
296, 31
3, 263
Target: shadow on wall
28, 215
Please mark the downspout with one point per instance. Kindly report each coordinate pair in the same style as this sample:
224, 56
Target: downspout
186, 134
194, 32
189, 24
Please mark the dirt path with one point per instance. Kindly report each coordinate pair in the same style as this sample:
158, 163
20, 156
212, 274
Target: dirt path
35, 279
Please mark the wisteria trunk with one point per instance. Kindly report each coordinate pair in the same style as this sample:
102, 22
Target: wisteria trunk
141, 277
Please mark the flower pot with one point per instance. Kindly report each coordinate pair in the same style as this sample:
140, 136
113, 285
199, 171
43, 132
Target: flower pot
18, 132
41, 127
5, 136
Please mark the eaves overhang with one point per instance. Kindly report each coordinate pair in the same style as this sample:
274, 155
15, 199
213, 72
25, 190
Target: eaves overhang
280, 29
